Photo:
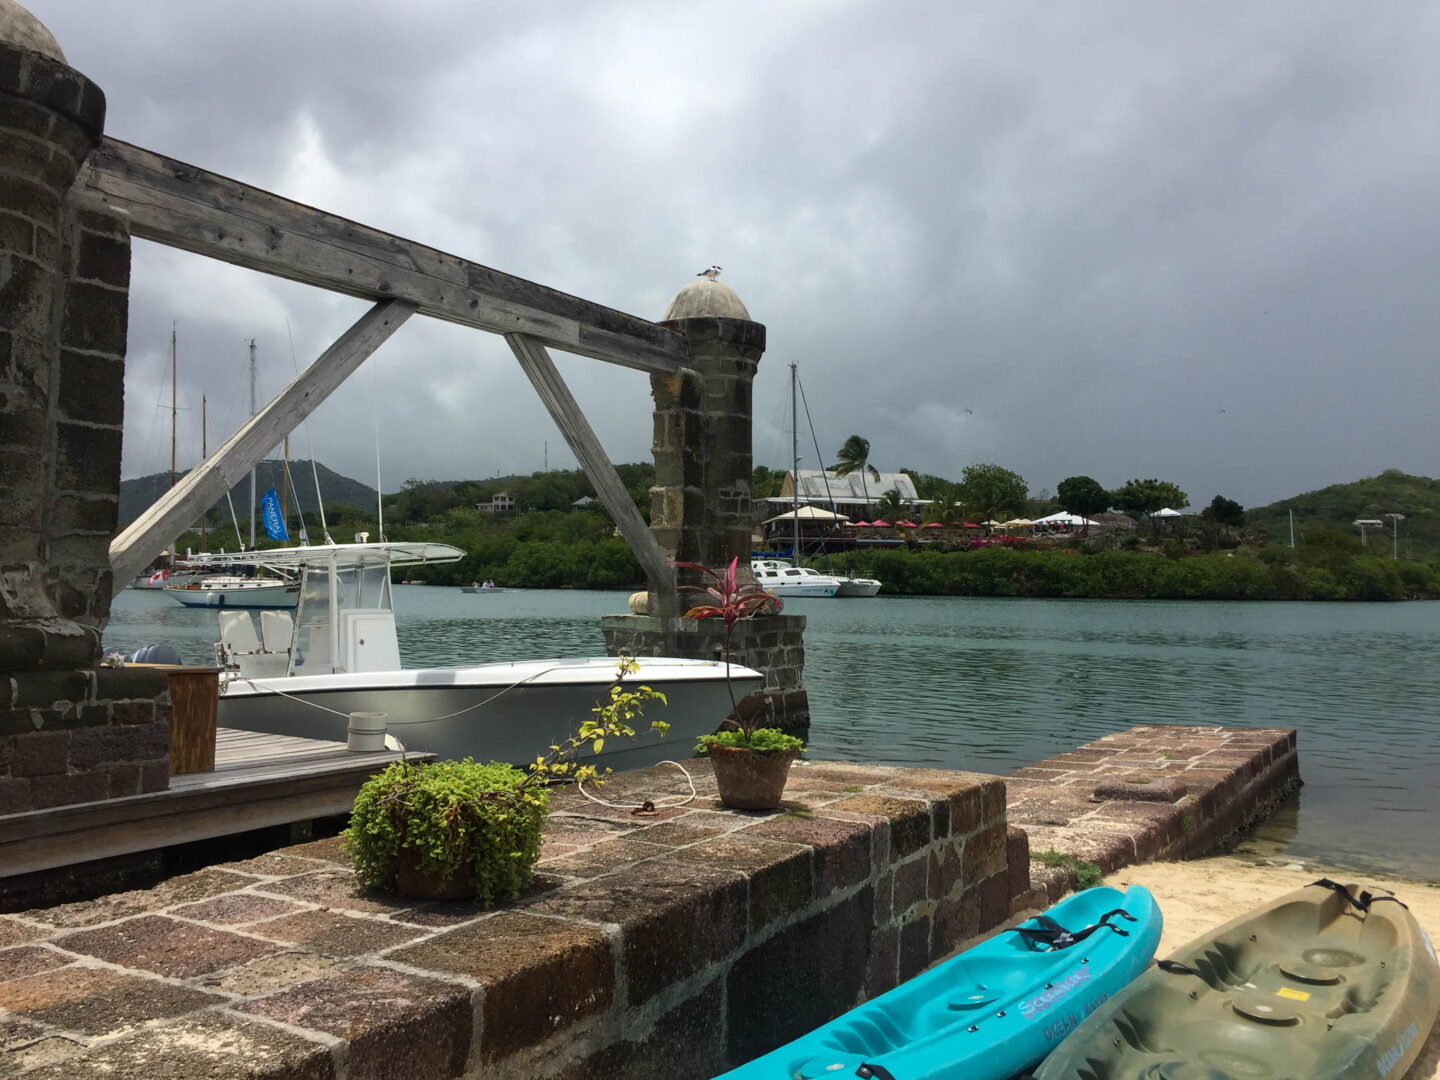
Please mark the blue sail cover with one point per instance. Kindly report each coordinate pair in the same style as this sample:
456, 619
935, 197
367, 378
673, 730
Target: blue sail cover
270, 514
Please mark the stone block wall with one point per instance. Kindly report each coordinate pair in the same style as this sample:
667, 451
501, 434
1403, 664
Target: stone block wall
69, 732
676, 944
81, 736
773, 644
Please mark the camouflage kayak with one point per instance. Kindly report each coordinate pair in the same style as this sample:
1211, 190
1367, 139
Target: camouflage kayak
1326, 981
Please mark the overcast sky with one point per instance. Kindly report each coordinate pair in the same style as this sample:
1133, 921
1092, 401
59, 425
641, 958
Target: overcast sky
1192, 241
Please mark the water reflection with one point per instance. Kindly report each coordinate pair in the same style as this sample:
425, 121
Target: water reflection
995, 684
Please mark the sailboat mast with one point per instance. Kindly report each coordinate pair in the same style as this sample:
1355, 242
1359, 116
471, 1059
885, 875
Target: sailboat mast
285, 485
795, 458
1292, 528
252, 471
204, 453
173, 380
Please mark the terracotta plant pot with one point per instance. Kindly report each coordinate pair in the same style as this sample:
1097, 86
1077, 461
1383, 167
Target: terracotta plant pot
412, 882
750, 781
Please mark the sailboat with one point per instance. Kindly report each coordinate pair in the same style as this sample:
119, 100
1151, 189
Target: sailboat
791, 579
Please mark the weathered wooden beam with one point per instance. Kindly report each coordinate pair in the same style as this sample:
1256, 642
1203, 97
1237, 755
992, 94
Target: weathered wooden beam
536, 362
208, 481
186, 207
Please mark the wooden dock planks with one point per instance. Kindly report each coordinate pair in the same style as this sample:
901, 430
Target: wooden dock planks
259, 780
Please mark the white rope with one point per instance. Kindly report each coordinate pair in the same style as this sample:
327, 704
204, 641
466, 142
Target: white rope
268, 688
580, 785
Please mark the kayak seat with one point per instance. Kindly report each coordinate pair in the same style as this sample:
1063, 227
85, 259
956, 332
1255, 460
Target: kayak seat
976, 1000
871, 1035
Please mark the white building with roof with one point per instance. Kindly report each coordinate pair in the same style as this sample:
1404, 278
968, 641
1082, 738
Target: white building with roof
850, 496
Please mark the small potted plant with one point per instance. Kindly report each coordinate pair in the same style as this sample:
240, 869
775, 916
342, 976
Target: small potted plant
751, 763
450, 830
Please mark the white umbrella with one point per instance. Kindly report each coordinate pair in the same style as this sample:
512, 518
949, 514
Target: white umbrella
1064, 518
808, 513
1166, 512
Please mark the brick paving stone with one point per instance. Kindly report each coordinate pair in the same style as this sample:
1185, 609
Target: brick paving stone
779, 873
212, 1046
236, 909
909, 819
678, 833
15, 932
333, 934
165, 946
841, 848
97, 1001
211, 881
604, 857
28, 1046
29, 960
540, 975
676, 918
273, 864
397, 1025
273, 973
336, 889
325, 850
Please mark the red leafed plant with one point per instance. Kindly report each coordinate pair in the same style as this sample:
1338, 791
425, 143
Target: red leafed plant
732, 602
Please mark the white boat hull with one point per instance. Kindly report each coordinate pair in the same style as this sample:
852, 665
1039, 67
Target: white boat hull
858, 587
502, 712
283, 597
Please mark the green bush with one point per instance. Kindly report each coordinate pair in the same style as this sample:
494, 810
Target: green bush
454, 815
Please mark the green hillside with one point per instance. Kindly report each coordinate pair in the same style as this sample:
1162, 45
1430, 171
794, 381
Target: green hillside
1340, 505
137, 495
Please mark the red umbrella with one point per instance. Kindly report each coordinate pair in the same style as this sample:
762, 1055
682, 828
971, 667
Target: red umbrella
882, 524
862, 524
970, 525
903, 524
935, 525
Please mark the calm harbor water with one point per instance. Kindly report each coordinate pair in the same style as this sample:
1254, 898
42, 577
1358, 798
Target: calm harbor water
990, 685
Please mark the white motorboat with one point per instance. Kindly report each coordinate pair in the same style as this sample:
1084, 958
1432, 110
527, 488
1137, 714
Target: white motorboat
227, 591
857, 586
340, 655
786, 580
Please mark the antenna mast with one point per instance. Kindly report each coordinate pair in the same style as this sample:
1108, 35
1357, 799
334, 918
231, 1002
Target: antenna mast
172, 402
252, 471
795, 460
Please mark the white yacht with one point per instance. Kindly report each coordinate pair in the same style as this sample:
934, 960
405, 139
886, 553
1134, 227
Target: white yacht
857, 586
340, 654
786, 580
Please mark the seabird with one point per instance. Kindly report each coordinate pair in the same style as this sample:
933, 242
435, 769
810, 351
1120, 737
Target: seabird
712, 273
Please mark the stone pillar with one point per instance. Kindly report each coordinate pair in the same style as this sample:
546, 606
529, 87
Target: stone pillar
700, 507
69, 732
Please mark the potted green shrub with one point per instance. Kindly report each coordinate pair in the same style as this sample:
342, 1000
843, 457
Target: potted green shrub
751, 763
452, 830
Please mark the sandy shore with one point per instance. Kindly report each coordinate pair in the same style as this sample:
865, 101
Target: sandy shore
1196, 896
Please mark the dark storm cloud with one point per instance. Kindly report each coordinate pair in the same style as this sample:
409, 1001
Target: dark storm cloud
1063, 238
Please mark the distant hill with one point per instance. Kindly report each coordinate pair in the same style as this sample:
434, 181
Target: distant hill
1340, 505
138, 495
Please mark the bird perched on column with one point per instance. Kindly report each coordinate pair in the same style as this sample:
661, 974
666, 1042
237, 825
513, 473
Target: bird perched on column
712, 273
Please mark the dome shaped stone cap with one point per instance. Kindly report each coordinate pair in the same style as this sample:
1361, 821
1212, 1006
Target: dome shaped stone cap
18, 27
701, 299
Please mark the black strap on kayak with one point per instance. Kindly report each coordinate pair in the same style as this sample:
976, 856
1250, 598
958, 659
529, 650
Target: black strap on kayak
1174, 967
879, 1072
1365, 900
1051, 933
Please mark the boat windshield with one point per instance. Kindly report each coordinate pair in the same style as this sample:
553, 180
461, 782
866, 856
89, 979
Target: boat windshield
365, 586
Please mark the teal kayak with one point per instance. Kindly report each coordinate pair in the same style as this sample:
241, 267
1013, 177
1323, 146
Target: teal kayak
990, 1011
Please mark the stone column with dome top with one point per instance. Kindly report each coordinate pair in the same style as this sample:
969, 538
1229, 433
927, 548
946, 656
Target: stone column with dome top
700, 506
70, 731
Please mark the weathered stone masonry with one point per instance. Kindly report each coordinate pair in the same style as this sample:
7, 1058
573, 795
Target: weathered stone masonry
69, 731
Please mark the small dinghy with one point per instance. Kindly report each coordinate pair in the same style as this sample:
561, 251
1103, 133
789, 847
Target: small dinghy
1326, 981
991, 1011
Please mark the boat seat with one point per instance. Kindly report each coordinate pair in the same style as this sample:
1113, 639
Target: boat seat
237, 633
277, 629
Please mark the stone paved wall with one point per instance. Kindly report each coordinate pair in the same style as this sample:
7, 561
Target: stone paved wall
1156, 791
670, 945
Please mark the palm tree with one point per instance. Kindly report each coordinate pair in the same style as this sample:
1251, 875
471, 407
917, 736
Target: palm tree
854, 456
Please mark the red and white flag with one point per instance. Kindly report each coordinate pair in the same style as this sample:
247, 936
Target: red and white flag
159, 577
